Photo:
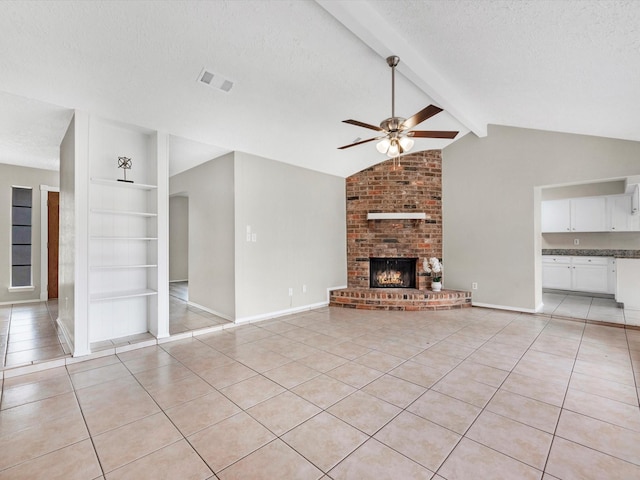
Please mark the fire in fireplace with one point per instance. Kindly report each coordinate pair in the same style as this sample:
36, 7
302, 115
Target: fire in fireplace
390, 272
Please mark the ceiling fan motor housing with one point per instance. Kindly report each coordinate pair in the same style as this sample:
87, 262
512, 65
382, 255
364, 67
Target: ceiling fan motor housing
392, 124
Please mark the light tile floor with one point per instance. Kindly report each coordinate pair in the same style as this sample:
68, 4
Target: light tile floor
29, 333
340, 394
588, 308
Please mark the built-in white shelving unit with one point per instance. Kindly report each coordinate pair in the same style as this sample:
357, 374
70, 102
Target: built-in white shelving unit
116, 183
123, 234
97, 297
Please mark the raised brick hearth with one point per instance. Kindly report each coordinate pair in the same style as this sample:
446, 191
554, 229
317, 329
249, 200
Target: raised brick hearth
413, 186
399, 299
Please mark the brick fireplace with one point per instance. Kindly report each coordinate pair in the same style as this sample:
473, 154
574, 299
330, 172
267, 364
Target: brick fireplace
411, 189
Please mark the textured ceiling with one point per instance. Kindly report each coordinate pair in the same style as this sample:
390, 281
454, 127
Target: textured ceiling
300, 67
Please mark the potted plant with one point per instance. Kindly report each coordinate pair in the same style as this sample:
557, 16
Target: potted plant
433, 267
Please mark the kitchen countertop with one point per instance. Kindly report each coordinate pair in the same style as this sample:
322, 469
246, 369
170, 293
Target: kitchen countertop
592, 253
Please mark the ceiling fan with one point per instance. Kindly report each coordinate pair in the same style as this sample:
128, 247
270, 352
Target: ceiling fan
397, 136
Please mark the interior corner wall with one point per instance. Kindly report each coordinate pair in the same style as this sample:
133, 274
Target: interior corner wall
66, 252
11, 175
491, 196
210, 188
178, 238
290, 234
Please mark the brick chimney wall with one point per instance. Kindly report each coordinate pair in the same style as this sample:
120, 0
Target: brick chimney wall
413, 186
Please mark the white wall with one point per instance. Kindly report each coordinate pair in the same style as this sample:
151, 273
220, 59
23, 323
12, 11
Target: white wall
178, 238
66, 255
299, 219
25, 177
210, 188
583, 190
491, 204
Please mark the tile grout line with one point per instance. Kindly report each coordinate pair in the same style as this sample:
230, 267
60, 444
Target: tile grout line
360, 388
564, 398
483, 409
84, 420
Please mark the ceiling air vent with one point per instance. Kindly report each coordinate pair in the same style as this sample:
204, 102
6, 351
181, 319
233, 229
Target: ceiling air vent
215, 80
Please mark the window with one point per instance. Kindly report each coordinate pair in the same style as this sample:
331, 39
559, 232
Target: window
21, 203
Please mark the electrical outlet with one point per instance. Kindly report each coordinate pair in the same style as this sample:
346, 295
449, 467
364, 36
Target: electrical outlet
254, 237
304, 289
576, 241
474, 286
291, 291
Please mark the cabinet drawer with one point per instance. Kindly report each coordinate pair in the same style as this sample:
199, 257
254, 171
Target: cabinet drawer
556, 259
590, 260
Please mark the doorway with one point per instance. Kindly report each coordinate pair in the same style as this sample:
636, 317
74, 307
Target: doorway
53, 237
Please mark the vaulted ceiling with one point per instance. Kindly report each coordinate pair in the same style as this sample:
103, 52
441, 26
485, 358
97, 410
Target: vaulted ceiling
299, 67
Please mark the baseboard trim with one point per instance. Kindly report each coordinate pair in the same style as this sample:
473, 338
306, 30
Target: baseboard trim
281, 313
209, 310
504, 307
16, 302
65, 333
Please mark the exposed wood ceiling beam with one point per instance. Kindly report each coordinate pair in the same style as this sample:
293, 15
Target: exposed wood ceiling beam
363, 21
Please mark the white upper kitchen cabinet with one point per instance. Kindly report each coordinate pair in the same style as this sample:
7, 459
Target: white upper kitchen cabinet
619, 214
589, 214
606, 213
556, 215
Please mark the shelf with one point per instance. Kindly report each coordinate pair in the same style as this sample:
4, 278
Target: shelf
123, 238
123, 212
112, 267
397, 216
97, 297
115, 183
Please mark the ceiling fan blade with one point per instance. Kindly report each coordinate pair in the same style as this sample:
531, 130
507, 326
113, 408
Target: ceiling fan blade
432, 134
359, 143
420, 117
362, 124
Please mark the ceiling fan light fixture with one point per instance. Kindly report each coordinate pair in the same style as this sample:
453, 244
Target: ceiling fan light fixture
394, 149
406, 143
383, 145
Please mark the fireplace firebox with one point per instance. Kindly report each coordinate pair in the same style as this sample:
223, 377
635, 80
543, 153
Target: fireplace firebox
390, 272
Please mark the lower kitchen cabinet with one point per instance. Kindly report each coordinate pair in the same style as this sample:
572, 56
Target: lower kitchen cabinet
579, 274
556, 273
590, 274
